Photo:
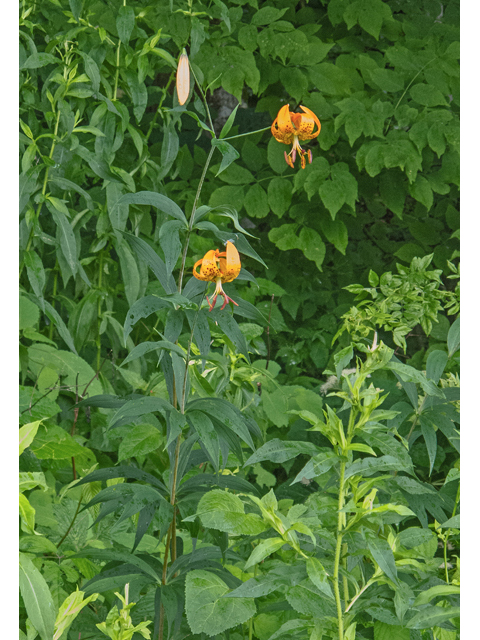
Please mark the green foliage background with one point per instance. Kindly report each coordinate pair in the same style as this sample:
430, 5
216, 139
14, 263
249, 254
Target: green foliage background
99, 121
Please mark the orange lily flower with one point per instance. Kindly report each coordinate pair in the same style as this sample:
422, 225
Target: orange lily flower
183, 78
289, 127
226, 270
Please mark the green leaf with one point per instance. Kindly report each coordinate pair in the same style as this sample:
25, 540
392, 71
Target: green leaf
275, 406
68, 365
229, 153
156, 200
227, 414
69, 610
38, 60
440, 590
436, 363
319, 464
384, 631
27, 515
37, 598
414, 537
277, 451
207, 612
340, 189
370, 14
125, 23
170, 242
117, 211
383, 555
138, 407
267, 15
225, 511
453, 338
66, 237
410, 374
422, 191
309, 600
145, 252
27, 434
369, 466
207, 434
130, 272
36, 274
427, 95
170, 148
228, 124
263, 550
336, 233
54, 443
275, 155
284, 237
230, 328
430, 437
317, 574
140, 440
432, 616
312, 246
256, 202
279, 195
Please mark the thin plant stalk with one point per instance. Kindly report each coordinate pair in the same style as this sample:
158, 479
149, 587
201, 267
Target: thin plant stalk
336, 587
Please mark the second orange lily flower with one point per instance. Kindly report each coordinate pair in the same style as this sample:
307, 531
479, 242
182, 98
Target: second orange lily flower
290, 127
219, 267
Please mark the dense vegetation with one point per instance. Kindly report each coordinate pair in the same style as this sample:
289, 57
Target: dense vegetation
285, 467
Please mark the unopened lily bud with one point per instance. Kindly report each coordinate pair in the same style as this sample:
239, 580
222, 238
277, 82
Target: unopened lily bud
183, 78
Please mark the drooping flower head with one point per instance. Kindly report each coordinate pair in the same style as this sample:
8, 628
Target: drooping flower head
289, 127
183, 78
219, 267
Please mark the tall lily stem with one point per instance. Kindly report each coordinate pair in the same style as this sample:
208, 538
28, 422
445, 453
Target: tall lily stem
171, 536
338, 550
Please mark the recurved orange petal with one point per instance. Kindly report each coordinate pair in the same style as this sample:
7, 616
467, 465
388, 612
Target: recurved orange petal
208, 269
230, 265
307, 124
282, 128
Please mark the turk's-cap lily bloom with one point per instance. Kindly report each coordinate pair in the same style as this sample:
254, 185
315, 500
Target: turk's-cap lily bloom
183, 78
219, 267
289, 127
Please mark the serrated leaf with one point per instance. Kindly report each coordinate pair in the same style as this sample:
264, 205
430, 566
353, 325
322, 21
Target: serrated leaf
207, 612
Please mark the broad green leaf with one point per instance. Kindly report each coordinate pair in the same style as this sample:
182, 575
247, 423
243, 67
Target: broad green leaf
229, 153
453, 339
384, 631
256, 203
36, 274
67, 365
146, 347
170, 242
27, 515
140, 440
69, 610
427, 95
277, 451
319, 464
263, 550
156, 200
225, 511
383, 555
319, 577
125, 23
207, 612
130, 273
307, 599
66, 237
430, 437
27, 434
145, 252
138, 407
37, 598
369, 466
441, 590
432, 616
56, 444
436, 363
30, 479
279, 195
207, 434
414, 537
312, 246
228, 124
